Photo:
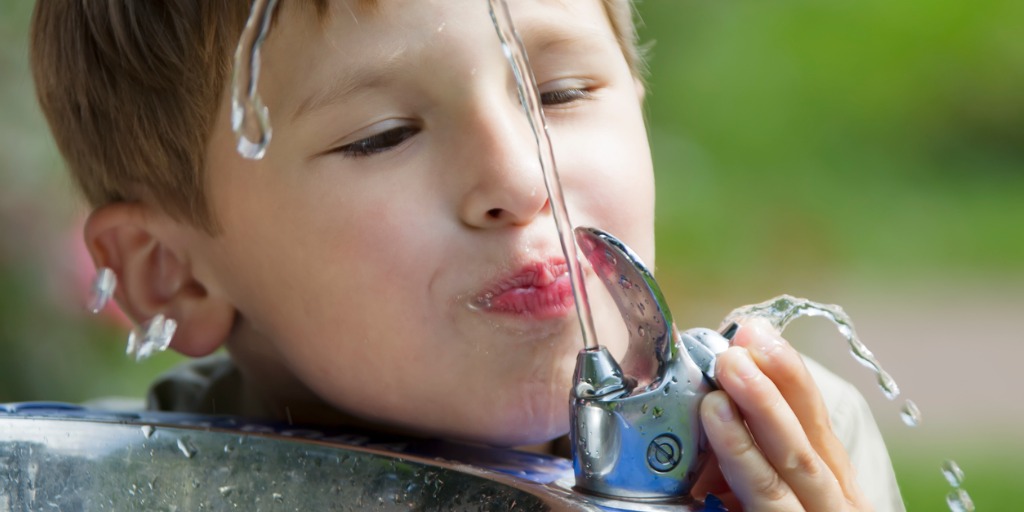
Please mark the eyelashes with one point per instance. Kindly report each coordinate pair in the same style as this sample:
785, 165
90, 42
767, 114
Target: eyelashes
394, 137
564, 96
379, 142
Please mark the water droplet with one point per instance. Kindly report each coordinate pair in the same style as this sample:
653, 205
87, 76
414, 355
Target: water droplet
228, 448
624, 282
959, 501
278, 497
643, 409
640, 331
226, 490
658, 411
147, 431
910, 414
186, 448
102, 289
250, 119
584, 389
609, 256
151, 337
954, 475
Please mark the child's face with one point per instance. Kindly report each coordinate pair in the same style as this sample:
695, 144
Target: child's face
402, 190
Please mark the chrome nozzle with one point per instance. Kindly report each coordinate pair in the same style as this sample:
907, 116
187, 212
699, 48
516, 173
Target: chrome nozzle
635, 428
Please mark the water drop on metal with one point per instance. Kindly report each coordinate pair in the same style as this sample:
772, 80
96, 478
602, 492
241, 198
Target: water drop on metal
186, 448
147, 431
250, 119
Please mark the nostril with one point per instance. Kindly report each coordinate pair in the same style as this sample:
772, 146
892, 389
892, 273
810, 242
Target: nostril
494, 213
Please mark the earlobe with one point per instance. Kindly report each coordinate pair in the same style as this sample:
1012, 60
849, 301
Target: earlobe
155, 276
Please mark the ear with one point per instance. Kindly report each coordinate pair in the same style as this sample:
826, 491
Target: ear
154, 275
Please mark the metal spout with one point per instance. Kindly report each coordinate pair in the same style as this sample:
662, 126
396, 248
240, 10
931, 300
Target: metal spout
635, 429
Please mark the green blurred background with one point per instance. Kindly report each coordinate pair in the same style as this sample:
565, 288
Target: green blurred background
868, 153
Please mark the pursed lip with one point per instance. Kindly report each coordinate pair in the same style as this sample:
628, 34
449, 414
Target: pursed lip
540, 289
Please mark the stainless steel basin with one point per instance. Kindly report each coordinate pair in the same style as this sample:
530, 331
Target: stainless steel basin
59, 457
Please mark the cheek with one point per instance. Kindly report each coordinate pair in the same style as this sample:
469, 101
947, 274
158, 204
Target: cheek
609, 181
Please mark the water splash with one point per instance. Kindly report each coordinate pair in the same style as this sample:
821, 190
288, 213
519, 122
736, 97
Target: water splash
250, 119
102, 289
954, 475
910, 414
783, 309
529, 97
959, 501
151, 337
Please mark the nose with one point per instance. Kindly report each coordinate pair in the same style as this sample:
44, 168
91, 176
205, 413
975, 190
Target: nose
502, 178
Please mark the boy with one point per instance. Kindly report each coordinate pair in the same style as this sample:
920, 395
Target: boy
391, 262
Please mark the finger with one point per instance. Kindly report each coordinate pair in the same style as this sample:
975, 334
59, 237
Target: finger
751, 477
710, 480
782, 364
778, 432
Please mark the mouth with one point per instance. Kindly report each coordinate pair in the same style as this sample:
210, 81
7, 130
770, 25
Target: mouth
539, 290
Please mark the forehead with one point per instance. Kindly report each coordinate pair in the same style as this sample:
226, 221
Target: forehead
366, 43
386, 12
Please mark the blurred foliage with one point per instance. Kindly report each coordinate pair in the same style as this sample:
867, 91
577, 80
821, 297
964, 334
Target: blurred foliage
991, 473
806, 137
794, 141
50, 349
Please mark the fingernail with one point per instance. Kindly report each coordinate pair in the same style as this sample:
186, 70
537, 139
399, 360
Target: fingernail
766, 338
723, 409
746, 368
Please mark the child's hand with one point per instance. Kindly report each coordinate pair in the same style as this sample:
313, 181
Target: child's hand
773, 444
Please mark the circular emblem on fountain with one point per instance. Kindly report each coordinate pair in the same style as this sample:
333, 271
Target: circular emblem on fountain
664, 453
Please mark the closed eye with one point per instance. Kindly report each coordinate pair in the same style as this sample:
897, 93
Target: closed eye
564, 96
379, 142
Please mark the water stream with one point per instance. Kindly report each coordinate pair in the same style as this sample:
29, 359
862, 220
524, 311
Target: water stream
250, 119
529, 96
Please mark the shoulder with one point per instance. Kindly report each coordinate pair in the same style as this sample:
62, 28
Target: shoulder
195, 386
855, 427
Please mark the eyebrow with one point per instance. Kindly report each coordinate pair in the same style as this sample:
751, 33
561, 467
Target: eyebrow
544, 38
539, 40
345, 85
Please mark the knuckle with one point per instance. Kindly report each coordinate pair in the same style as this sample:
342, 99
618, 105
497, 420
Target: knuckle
804, 462
744, 445
771, 487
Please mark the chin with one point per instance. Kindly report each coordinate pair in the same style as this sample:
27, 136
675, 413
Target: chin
537, 422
